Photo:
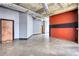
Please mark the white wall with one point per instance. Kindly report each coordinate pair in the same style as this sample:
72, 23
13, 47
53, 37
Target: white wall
78, 23
13, 15
29, 25
22, 25
26, 23
37, 26
46, 25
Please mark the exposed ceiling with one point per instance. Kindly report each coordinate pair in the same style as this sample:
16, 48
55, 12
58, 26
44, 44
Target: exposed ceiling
31, 6
53, 8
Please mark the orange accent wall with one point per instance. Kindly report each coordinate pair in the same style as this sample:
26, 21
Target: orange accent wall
64, 33
70, 34
67, 17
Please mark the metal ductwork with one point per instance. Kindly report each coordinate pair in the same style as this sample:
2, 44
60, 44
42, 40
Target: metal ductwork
21, 9
45, 6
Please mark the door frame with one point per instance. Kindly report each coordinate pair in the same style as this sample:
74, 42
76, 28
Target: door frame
12, 26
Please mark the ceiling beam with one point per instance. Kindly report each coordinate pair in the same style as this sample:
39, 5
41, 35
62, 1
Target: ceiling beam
22, 9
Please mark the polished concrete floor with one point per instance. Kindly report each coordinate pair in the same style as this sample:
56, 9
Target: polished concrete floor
40, 45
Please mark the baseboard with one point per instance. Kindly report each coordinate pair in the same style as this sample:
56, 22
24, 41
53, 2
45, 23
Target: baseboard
37, 33
28, 37
16, 39
20, 39
23, 38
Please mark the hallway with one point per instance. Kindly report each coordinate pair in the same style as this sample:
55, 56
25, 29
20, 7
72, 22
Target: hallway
41, 45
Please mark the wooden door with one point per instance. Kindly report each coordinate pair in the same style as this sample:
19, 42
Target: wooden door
4, 30
7, 30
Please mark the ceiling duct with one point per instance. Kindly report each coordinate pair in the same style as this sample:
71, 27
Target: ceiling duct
45, 6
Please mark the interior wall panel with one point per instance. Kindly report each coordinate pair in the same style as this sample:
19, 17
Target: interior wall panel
37, 26
13, 15
64, 26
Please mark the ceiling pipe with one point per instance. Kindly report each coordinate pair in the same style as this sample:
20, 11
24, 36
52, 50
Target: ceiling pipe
45, 6
21, 9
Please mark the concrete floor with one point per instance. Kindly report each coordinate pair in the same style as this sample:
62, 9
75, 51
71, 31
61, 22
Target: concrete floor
40, 45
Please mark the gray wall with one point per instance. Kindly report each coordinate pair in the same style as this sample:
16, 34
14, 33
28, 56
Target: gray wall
29, 25
26, 25
78, 23
13, 15
78, 36
22, 25
37, 26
